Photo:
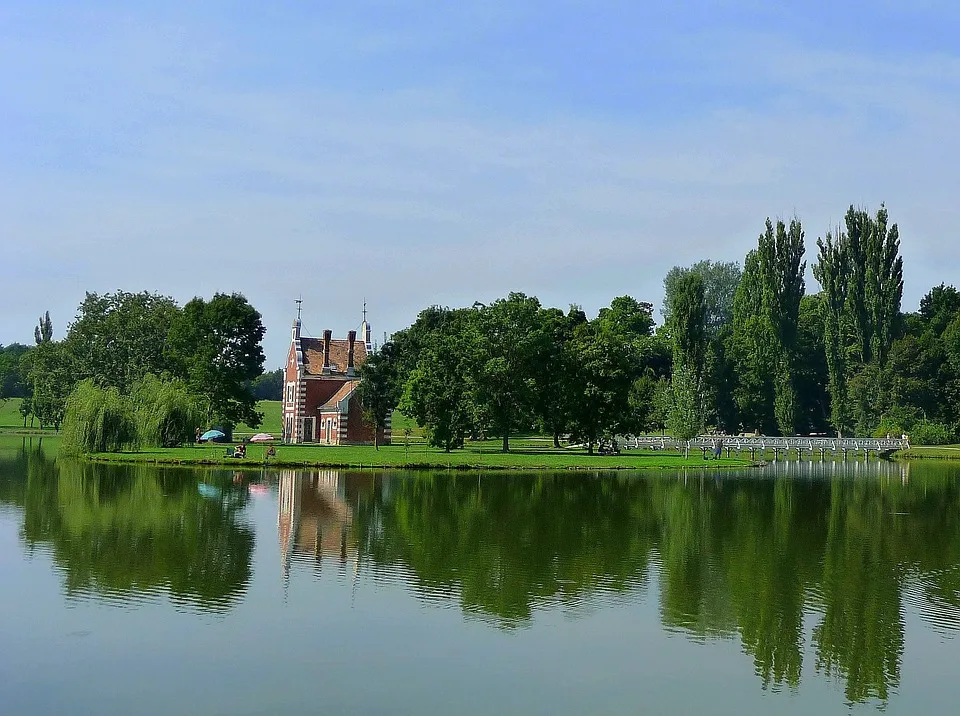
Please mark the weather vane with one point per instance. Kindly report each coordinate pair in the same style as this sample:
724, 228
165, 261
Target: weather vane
298, 302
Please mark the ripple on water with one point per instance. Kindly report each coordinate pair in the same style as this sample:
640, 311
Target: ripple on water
934, 597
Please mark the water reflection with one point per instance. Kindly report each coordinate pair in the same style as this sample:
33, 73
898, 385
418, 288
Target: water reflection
755, 555
132, 533
813, 567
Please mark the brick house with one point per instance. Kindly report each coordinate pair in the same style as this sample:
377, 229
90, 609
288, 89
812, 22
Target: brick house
320, 403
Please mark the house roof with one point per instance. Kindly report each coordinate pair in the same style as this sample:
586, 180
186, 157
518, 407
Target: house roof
344, 391
339, 348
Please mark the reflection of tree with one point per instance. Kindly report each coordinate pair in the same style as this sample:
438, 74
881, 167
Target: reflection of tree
861, 634
743, 554
506, 544
131, 531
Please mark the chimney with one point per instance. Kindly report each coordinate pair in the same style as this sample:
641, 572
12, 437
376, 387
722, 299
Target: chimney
326, 350
351, 339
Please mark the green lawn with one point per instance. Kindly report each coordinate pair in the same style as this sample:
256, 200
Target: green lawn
9, 413
476, 455
930, 452
271, 410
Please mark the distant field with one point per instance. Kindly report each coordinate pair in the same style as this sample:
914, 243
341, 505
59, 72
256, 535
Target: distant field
271, 420
10, 413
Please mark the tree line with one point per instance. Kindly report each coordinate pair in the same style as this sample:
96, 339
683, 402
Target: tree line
125, 350
741, 349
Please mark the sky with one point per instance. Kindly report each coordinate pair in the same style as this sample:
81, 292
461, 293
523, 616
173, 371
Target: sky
417, 153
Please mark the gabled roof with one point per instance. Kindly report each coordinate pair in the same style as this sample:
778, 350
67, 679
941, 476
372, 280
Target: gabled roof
345, 390
312, 349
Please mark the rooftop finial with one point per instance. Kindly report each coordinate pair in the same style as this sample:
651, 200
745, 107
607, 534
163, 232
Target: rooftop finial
298, 302
364, 309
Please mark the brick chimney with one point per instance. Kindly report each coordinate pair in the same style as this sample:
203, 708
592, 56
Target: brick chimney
326, 350
351, 339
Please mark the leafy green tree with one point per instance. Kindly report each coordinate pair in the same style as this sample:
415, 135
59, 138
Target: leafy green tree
554, 385
215, 346
688, 331
512, 347
780, 254
861, 273
48, 369
379, 390
605, 368
268, 386
117, 338
720, 281
12, 382
438, 393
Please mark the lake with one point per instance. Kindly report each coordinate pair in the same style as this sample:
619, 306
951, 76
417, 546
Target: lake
793, 589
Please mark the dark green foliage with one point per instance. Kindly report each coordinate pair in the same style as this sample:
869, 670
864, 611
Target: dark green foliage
117, 338
268, 386
687, 328
49, 371
379, 390
861, 274
43, 333
720, 281
13, 384
215, 346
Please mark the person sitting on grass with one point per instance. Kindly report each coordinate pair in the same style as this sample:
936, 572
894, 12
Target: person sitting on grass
240, 451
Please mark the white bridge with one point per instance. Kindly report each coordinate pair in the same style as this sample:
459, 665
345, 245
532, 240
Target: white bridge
740, 444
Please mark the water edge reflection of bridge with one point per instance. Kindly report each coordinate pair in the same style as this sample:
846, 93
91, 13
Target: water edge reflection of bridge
822, 446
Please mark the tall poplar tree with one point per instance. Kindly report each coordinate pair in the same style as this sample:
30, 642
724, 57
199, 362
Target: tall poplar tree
861, 273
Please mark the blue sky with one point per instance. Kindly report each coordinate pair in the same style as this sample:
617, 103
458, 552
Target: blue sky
419, 153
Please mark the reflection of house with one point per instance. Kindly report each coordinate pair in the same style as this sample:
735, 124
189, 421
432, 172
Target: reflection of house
320, 401
314, 518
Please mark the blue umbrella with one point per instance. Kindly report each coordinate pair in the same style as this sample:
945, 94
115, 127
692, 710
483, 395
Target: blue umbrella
211, 435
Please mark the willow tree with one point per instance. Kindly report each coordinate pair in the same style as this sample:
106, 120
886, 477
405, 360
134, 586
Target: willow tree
167, 413
97, 420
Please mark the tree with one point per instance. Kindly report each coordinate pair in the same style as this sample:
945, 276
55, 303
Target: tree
167, 414
117, 338
438, 393
604, 370
48, 369
12, 382
97, 420
379, 390
720, 281
513, 344
554, 384
861, 274
43, 332
782, 267
687, 329
215, 346
268, 386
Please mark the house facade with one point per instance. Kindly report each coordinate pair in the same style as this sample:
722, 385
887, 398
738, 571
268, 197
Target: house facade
320, 400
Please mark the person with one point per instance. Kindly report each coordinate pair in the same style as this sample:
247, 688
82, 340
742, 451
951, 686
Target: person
271, 451
196, 438
240, 451
717, 448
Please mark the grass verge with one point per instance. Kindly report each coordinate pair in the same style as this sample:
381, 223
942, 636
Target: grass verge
475, 456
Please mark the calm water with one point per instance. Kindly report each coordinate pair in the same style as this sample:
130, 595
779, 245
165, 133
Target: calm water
811, 588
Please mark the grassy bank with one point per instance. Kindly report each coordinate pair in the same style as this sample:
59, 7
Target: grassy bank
929, 452
483, 455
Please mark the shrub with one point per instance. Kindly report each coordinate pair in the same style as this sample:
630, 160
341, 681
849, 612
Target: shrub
930, 433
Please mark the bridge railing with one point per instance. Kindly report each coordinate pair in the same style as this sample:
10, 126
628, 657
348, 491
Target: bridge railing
738, 442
